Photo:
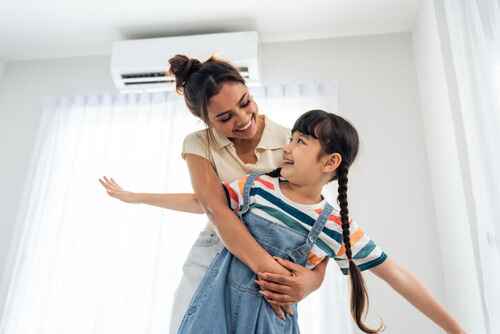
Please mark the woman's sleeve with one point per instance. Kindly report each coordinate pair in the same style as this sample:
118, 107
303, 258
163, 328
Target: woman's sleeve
195, 143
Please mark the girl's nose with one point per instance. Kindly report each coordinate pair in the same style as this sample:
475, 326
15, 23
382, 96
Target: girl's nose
286, 148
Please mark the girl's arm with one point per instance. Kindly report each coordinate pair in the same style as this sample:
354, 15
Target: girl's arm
408, 286
178, 202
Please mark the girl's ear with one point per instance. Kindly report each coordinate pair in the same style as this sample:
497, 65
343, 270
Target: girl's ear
332, 162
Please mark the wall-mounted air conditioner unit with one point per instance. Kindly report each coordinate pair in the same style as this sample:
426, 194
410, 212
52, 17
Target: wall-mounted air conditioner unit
142, 65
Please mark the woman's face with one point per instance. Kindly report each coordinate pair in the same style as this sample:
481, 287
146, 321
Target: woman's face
232, 112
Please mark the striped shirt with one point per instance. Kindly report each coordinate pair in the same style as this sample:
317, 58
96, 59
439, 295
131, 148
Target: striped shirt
268, 202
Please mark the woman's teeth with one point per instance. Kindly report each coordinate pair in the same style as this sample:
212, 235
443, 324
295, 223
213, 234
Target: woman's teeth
246, 126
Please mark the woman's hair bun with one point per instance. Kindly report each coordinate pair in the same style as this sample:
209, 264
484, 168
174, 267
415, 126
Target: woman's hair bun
182, 67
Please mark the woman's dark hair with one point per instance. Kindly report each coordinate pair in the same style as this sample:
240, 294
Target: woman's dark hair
198, 81
336, 135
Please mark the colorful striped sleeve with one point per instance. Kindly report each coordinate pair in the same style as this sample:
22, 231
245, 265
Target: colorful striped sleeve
234, 192
366, 254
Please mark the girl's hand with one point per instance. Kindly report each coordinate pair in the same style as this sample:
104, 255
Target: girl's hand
114, 190
284, 290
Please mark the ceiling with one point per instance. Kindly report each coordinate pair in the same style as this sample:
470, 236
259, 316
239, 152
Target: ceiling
56, 28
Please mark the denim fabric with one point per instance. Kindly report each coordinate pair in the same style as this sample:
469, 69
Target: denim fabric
228, 299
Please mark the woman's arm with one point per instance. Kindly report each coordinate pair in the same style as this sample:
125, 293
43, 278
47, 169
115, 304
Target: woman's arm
237, 238
178, 202
408, 286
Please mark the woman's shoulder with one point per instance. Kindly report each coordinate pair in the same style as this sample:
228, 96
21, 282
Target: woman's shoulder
197, 136
196, 143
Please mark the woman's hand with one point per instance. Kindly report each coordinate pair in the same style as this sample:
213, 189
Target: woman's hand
114, 190
282, 290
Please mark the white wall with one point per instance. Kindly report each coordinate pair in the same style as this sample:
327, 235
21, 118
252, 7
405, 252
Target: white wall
444, 144
389, 187
2, 68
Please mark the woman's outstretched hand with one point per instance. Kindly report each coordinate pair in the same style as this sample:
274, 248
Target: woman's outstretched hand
281, 290
114, 190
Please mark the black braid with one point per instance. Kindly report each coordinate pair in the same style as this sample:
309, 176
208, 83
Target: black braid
344, 211
359, 298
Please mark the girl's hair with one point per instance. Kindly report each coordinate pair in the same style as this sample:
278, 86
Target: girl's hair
199, 82
336, 135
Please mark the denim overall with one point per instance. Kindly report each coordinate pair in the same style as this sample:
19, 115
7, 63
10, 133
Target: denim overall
228, 299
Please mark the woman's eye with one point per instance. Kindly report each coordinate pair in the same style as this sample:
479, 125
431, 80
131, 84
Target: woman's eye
225, 119
245, 104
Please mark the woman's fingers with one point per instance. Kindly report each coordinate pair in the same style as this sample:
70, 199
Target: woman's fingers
111, 189
110, 184
104, 181
288, 309
105, 185
275, 297
279, 311
265, 285
114, 183
276, 278
289, 264
283, 305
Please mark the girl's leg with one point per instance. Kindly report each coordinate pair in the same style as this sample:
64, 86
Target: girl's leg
199, 258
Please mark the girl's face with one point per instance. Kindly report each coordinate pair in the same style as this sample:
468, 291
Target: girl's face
302, 164
232, 112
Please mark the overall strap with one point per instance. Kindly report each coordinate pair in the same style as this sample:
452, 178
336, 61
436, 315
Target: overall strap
319, 225
246, 192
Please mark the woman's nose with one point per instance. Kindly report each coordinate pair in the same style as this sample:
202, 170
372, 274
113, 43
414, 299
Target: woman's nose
243, 117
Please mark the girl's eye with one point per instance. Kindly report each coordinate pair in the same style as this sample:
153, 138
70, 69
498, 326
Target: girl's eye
245, 104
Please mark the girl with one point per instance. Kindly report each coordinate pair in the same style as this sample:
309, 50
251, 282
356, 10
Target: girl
290, 219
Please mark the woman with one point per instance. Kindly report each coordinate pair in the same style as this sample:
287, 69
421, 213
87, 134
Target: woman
237, 141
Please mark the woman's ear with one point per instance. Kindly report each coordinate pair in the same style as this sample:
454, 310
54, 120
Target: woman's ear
332, 162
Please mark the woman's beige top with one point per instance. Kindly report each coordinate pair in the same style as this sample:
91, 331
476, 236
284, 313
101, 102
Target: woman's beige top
220, 151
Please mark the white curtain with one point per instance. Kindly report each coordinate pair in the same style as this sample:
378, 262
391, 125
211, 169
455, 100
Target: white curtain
474, 39
82, 262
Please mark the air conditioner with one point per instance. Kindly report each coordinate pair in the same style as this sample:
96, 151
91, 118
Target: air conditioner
142, 65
